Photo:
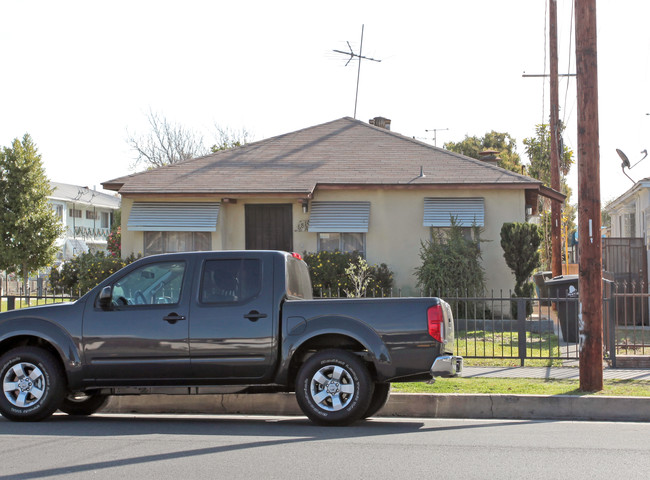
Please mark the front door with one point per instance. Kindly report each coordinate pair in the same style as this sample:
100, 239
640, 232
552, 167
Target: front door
269, 227
143, 339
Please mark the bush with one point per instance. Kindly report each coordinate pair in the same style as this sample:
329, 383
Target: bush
520, 243
451, 267
451, 264
86, 271
329, 278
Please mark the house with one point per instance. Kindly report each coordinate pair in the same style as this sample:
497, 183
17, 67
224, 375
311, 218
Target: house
86, 215
345, 185
625, 251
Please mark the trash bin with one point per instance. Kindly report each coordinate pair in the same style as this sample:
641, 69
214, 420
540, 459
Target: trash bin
540, 285
566, 286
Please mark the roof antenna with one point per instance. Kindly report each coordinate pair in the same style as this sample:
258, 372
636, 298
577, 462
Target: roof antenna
360, 57
626, 162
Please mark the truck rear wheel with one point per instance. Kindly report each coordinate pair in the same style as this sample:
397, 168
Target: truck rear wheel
32, 384
83, 404
379, 399
334, 387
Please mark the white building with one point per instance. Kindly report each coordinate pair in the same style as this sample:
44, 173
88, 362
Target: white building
87, 216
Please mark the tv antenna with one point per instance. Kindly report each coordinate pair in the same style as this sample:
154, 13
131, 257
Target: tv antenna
360, 57
435, 133
626, 162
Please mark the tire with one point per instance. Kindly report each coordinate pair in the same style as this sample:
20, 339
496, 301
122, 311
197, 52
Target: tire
333, 387
83, 404
32, 384
378, 400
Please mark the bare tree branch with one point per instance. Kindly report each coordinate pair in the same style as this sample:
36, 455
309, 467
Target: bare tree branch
166, 143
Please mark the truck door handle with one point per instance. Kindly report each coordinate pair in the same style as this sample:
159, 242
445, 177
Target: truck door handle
254, 315
173, 318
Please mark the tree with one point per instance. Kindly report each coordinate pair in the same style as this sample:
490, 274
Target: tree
539, 155
227, 138
168, 143
501, 142
28, 224
520, 243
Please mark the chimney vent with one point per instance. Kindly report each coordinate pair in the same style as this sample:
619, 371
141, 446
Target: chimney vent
380, 122
490, 156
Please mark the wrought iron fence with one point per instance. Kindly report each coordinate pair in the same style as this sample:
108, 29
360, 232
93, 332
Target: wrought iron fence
542, 330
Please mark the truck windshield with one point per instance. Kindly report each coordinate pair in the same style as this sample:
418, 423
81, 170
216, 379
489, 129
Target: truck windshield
298, 282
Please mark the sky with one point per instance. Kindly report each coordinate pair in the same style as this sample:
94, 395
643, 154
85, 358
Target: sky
80, 76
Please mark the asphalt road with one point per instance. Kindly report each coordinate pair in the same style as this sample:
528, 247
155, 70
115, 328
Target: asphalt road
233, 447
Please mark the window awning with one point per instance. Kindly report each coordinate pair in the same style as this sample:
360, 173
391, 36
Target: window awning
467, 211
352, 217
173, 217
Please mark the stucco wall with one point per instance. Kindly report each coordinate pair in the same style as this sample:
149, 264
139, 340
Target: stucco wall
395, 228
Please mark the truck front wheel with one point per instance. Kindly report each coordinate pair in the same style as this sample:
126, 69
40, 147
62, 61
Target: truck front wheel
32, 384
334, 387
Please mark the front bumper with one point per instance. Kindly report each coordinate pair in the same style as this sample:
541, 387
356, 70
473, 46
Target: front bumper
447, 366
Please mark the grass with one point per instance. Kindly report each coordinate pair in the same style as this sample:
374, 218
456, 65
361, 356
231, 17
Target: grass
33, 302
523, 386
501, 349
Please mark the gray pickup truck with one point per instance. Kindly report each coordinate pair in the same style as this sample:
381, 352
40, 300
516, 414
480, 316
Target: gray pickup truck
220, 322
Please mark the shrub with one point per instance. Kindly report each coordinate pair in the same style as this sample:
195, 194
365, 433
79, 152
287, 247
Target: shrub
329, 278
86, 271
520, 243
451, 263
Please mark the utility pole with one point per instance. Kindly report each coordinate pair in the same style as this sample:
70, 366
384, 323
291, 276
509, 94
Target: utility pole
591, 295
556, 207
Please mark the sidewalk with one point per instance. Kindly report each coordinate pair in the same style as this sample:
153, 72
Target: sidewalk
560, 373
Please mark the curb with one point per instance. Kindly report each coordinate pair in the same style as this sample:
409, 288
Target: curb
485, 406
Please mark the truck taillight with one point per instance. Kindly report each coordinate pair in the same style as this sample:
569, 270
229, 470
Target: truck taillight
436, 323
296, 255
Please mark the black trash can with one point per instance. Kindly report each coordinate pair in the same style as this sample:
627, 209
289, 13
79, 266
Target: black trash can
567, 310
540, 279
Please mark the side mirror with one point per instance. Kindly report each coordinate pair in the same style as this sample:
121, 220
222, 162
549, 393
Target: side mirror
106, 298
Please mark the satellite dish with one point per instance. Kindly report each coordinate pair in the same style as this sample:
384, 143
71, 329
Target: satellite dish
626, 161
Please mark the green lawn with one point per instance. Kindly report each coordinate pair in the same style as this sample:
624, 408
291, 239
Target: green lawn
33, 302
523, 386
501, 349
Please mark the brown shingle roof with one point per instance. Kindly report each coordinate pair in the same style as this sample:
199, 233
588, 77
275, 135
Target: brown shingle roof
338, 153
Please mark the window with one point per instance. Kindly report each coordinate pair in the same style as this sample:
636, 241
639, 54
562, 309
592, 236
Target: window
171, 242
441, 231
74, 213
105, 220
230, 281
58, 210
91, 215
343, 242
157, 283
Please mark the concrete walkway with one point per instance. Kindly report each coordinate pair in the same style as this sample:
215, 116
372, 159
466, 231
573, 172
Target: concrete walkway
560, 373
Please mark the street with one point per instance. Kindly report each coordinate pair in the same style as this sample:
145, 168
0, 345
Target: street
203, 447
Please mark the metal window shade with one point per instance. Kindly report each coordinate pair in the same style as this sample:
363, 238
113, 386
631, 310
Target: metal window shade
173, 217
467, 211
341, 217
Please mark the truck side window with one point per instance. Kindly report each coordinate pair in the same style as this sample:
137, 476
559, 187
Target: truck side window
230, 281
153, 284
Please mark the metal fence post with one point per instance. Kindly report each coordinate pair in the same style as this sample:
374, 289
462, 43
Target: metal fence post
521, 329
11, 302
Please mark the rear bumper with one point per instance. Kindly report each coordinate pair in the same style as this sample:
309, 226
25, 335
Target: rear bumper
447, 366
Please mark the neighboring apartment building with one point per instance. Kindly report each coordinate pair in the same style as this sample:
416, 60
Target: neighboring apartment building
343, 185
87, 216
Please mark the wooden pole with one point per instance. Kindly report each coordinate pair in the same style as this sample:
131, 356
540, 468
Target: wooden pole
589, 242
556, 207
